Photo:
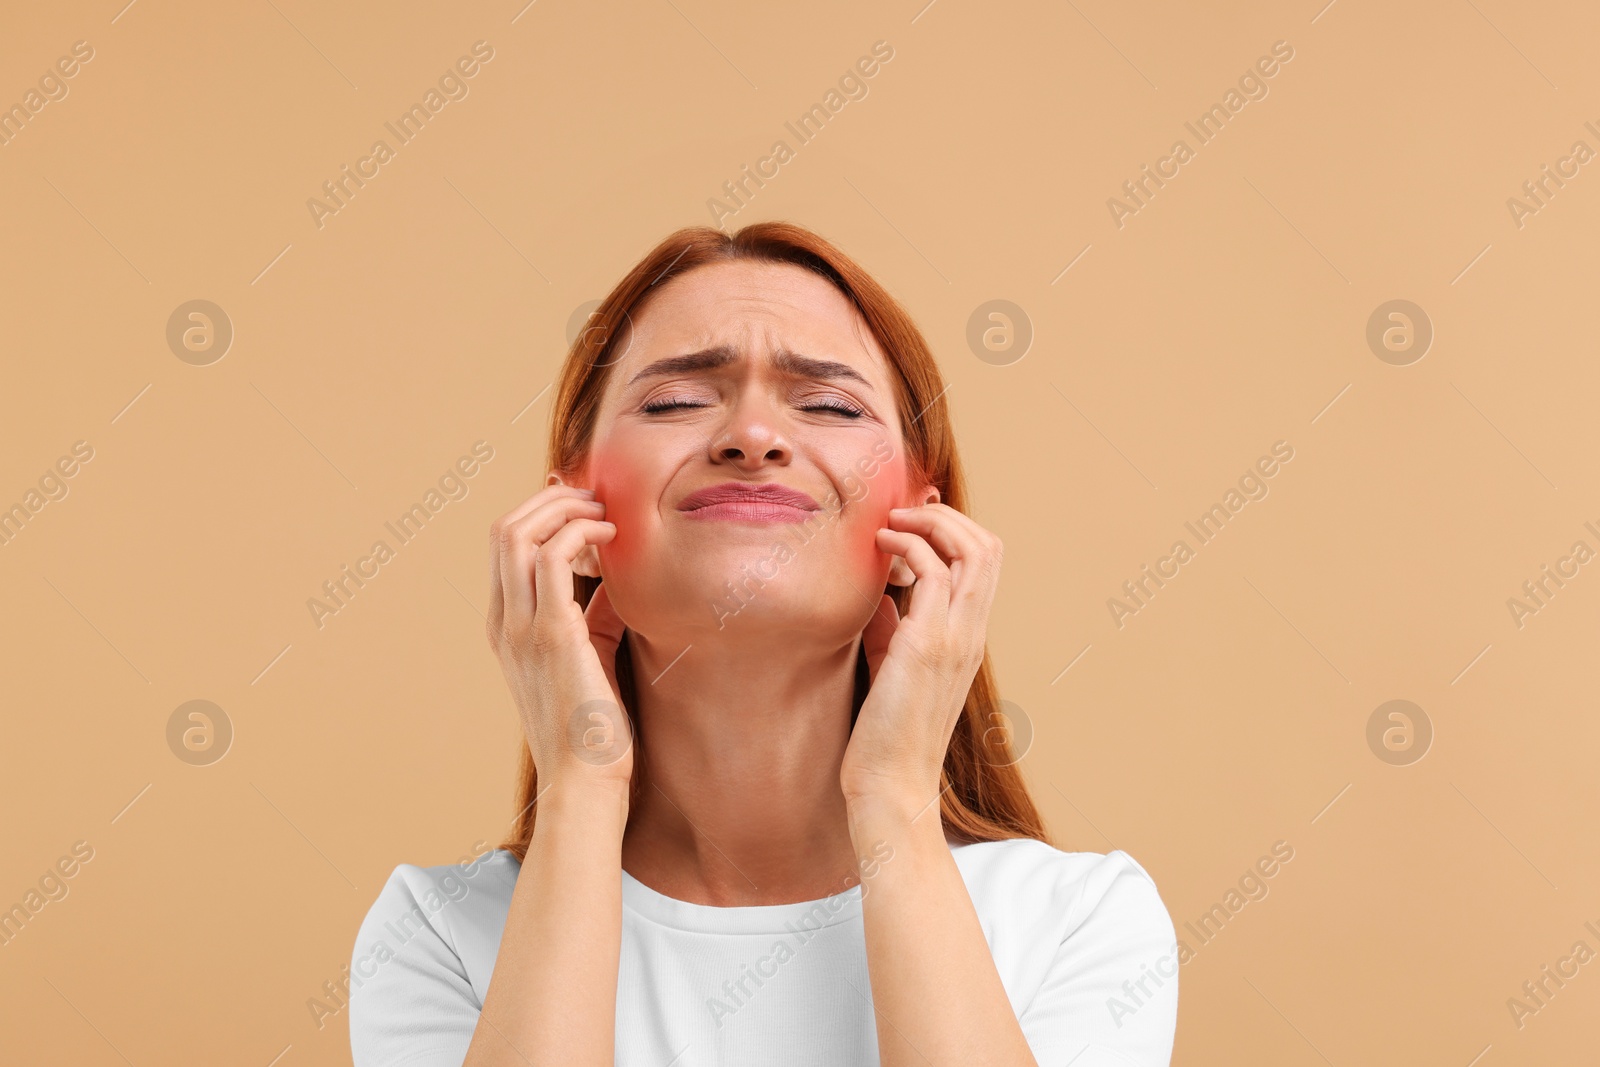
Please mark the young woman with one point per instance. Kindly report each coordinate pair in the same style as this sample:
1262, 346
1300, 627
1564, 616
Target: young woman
769, 811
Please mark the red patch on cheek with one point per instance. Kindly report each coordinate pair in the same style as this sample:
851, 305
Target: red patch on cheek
626, 509
884, 491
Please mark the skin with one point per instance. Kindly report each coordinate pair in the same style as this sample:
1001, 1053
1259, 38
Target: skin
760, 792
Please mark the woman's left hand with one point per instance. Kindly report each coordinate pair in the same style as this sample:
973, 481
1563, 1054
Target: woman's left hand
922, 665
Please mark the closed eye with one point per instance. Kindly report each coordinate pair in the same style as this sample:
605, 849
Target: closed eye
668, 404
841, 406
832, 404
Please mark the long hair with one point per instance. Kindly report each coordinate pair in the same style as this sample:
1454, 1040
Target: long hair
984, 796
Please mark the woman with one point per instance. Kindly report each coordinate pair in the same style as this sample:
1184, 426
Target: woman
805, 840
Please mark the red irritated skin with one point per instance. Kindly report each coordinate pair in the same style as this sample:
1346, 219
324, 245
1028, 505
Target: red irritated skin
788, 398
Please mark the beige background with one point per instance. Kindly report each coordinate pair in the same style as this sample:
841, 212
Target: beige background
1227, 314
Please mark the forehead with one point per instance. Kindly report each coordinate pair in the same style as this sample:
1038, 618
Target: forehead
756, 308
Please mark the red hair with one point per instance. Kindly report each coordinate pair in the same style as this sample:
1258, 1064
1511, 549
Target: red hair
985, 797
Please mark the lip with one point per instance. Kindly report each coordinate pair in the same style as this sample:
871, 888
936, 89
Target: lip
748, 502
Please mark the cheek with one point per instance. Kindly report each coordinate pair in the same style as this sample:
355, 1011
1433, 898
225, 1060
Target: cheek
618, 485
884, 490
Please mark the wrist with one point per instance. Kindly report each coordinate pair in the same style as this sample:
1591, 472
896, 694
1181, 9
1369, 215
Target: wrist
898, 840
889, 791
587, 803
899, 812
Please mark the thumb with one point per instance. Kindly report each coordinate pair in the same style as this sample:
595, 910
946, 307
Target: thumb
605, 633
875, 638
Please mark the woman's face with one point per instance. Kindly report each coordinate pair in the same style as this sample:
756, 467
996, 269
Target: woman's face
739, 379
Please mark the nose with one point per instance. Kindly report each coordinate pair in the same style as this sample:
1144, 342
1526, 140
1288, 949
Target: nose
751, 439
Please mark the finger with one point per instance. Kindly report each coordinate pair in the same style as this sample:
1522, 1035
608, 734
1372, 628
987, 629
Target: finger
875, 638
499, 566
954, 535
552, 568
506, 521
544, 496
605, 633
930, 593
973, 552
602, 618
518, 541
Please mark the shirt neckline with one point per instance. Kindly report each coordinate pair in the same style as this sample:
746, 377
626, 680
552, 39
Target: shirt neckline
657, 907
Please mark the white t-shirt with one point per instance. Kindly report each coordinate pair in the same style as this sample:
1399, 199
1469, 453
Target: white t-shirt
1082, 943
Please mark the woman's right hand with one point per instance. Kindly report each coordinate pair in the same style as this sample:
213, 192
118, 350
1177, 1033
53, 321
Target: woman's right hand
559, 660
554, 993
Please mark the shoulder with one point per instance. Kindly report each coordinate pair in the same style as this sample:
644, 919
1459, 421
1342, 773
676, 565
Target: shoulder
1084, 945
423, 957
437, 919
1035, 882
450, 897
1043, 910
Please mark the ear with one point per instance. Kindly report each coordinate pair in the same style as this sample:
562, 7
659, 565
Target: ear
587, 561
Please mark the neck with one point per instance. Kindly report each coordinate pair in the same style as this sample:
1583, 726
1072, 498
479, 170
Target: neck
741, 746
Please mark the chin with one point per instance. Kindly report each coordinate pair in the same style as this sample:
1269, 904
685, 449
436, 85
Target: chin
824, 604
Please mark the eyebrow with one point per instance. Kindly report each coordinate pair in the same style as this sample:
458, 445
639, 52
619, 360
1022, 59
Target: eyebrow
786, 362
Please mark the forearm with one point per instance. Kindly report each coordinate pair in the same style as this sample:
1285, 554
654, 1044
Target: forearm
938, 997
553, 996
